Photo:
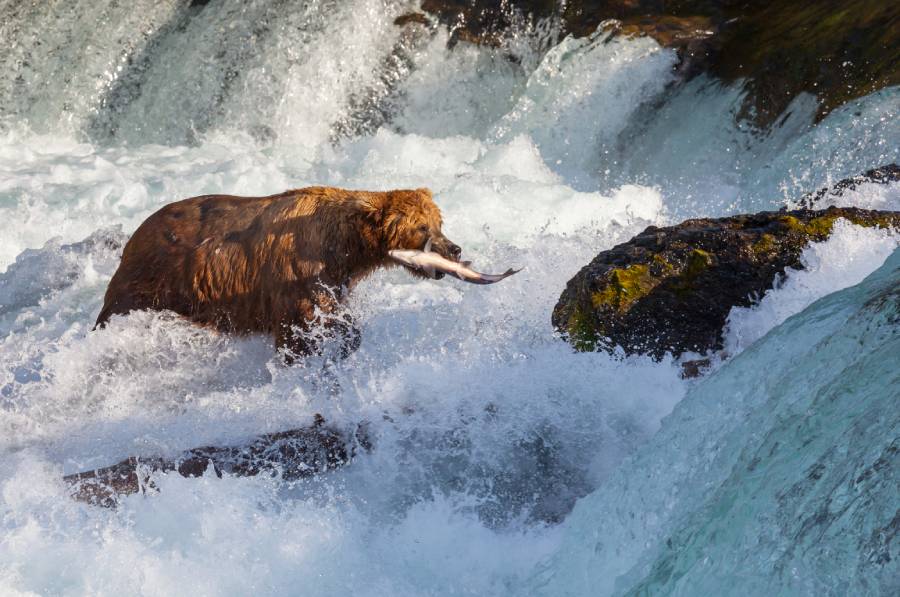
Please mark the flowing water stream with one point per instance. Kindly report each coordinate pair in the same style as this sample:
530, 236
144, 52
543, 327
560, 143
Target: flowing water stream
503, 462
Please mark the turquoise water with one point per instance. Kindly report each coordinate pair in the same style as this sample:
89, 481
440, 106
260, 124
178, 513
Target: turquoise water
504, 463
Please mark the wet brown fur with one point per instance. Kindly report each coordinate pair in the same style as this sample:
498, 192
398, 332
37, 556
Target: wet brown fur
267, 264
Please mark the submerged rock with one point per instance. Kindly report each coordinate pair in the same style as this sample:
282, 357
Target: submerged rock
776, 49
883, 175
669, 290
292, 454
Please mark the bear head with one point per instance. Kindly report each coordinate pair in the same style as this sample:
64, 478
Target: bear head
410, 220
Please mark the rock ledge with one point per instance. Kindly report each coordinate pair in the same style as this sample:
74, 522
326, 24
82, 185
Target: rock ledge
669, 290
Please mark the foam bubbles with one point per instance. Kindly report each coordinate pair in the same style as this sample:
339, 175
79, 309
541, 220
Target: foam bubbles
483, 434
849, 255
487, 428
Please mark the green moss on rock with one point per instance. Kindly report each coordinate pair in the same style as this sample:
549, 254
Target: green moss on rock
697, 262
581, 331
764, 246
625, 286
820, 227
661, 292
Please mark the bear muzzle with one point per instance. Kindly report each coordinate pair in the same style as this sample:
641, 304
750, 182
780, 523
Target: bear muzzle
444, 247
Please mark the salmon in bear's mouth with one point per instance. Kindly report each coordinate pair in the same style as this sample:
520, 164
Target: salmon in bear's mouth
437, 274
434, 265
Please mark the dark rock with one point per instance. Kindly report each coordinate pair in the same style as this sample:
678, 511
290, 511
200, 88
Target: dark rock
669, 290
884, 175
485, 21
695, 368
694, 37
372, 106
291, 454
776, 49
410, 18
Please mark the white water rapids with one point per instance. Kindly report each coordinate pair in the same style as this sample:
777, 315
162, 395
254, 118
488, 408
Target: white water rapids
487, 429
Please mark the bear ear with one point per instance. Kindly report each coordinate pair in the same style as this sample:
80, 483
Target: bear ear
371, 205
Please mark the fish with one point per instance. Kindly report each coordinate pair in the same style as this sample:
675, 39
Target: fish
430, 263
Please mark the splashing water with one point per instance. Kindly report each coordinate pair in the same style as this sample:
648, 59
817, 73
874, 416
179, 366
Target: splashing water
487, 428
756, 485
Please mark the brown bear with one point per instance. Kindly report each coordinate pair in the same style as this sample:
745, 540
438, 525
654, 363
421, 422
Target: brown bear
277, 265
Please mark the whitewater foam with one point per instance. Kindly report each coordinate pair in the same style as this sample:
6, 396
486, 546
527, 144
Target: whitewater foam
775, 474
850, 254
487, 428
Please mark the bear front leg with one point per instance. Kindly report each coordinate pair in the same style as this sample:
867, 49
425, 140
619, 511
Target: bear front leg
336, 322
343, 329
310, 329
293, 331
292, 341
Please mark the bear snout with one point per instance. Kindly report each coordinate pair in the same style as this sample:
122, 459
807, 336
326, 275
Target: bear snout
447, 248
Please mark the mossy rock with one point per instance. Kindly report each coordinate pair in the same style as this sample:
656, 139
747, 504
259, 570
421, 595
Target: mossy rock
669, 290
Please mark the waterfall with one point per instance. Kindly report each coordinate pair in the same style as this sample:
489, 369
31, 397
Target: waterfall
503, 462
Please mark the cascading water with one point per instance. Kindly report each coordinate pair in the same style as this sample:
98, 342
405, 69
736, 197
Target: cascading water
487, 429
785, 483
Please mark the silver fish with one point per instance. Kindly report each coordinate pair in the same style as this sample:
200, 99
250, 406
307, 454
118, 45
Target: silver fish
430, 262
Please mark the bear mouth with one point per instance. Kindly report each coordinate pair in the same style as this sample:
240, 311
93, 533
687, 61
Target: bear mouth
412, 260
